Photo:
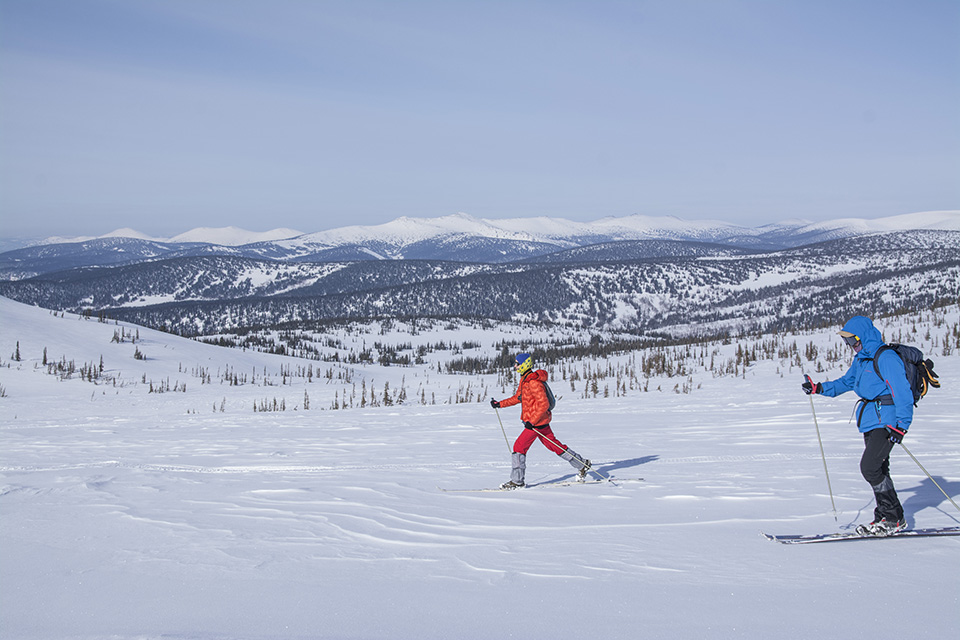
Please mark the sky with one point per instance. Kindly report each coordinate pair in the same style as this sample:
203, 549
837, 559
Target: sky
166, 115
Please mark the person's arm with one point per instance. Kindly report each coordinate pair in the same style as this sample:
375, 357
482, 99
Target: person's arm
833, 388
512, 400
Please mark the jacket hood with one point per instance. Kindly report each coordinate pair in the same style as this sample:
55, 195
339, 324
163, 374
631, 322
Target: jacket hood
870, 336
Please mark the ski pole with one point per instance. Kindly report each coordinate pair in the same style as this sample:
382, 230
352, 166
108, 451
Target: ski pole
824, 458
546, 437
509, 448
929, 476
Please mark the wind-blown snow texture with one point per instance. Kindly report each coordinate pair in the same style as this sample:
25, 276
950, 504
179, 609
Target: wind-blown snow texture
185, 514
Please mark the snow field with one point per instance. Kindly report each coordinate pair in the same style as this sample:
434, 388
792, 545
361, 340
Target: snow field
126, 514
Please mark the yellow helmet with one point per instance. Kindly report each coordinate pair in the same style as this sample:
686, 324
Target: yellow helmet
524, 363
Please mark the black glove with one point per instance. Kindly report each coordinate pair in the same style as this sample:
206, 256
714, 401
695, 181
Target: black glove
896, 434
528, 425
494, 403
809, 386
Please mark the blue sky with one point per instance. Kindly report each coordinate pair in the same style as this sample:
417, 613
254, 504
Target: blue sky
165, 115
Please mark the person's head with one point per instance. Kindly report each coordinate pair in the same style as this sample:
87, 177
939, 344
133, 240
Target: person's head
523, 363
860, 334
852, 340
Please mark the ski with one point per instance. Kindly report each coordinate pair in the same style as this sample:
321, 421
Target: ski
841, 537
567, 483
543, 485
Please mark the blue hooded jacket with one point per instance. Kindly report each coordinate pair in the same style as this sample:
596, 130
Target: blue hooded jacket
861, 377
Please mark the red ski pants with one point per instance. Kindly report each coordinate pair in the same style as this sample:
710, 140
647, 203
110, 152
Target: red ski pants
545, 434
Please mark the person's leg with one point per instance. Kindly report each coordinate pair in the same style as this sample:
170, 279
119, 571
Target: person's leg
875, 468
518, 469
576, 461
550, 441
518, 459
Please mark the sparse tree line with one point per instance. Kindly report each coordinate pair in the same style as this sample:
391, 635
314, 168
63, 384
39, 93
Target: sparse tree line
593, 367
309, 345
66, 369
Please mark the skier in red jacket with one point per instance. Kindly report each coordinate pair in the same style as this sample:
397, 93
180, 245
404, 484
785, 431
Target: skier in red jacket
536, 416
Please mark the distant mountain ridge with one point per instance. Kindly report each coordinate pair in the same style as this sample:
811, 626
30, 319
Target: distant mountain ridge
636, 286
407, 230
459, 237
226, 236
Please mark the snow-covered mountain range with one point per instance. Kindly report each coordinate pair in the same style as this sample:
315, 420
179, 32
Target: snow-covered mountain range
408, 231
226, 236
699, 288
631, 274
457, 237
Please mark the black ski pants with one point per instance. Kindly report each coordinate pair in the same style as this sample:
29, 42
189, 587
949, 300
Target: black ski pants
875, 467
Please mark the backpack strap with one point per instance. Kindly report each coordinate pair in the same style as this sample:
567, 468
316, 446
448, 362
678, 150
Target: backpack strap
876, 359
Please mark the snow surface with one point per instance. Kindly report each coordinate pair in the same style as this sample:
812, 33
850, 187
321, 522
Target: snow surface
185, 514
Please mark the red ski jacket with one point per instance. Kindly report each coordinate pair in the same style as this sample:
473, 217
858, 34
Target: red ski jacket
536, 407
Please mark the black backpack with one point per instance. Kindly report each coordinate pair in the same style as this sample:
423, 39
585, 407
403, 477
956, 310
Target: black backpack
920, 373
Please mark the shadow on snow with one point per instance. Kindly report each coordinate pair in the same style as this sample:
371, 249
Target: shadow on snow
927, 495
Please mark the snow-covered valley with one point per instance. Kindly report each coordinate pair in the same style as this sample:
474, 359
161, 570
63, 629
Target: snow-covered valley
169, 496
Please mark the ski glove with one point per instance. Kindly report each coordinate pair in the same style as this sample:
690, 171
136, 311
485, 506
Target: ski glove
896, 434
809, 386
495, 404
528, 425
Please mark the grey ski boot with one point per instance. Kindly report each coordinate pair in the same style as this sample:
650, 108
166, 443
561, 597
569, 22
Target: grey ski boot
579, 463
517, 473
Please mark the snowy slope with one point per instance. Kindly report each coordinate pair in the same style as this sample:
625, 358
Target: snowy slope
130, 514
225, 236
939, 220
233, 236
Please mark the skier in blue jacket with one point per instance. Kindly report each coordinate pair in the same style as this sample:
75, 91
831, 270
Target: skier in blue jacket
884, 413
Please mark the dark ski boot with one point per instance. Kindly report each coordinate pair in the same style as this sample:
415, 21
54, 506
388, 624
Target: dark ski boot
882, 527
582, 474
